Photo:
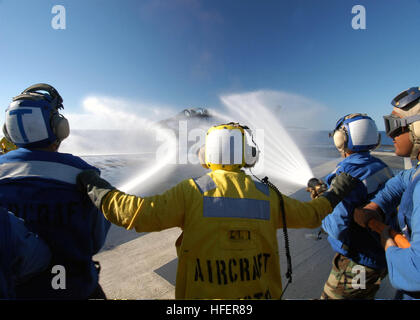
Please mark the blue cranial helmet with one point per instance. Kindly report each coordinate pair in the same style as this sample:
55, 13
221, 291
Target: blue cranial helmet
356, 132
32, 119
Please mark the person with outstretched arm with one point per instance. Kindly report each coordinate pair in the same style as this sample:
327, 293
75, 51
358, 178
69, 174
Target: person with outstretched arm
228, 246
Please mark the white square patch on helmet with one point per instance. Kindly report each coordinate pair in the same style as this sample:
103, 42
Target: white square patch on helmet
224, 147
25, 122
363, 132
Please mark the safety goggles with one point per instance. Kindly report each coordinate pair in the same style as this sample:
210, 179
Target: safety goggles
394, 125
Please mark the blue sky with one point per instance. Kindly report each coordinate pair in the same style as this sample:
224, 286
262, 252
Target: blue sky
182, 53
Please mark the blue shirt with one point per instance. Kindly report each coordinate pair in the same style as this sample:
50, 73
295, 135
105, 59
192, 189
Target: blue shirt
403, 264
345, 236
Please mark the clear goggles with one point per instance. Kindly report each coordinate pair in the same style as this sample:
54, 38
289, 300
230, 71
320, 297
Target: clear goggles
394, 125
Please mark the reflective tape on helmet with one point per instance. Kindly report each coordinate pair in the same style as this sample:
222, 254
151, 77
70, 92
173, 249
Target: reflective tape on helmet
363, 133
25, 124
224, 147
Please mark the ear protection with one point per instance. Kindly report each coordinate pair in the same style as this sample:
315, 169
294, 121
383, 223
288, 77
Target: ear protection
355, 132
33, 120
251, 152
229, 147
202, 156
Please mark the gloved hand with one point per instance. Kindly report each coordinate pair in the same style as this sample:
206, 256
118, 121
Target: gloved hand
362, 216
89, 181
316, 187
340, 187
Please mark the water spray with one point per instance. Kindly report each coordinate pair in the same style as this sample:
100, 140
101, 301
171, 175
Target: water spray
281, 158
143, 175
109, 113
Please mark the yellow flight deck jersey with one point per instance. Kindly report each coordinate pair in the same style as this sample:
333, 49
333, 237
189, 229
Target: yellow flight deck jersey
228, 249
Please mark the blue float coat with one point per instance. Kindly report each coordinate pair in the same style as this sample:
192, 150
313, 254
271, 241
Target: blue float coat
39, 187
345, 236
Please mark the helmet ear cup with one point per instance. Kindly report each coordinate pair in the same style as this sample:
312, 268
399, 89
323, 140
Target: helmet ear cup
60, 126
251, 151
251, 156
340, 140
379, 140
202, 157
415, 127
6, 134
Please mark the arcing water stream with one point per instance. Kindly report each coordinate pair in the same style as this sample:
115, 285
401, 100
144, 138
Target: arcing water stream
133, 135
280, 157
143, 175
